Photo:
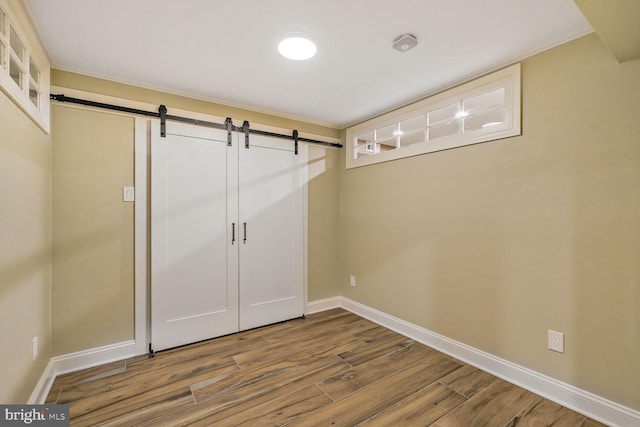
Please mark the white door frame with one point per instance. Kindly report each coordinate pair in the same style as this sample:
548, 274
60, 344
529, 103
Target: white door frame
142, 277
142, 274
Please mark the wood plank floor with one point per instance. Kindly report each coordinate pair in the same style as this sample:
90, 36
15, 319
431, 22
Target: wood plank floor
328, 369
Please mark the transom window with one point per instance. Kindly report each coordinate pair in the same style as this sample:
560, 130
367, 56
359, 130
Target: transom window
24, 68
482, 110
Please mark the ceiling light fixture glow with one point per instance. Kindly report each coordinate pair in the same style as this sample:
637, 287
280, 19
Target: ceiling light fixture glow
297, 48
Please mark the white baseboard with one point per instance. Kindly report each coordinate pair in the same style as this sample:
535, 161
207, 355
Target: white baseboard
77, 361
40, 392
323, 305
584, 402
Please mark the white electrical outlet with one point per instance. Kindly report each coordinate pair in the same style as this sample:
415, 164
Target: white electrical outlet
34, 349
556, 341
353, 281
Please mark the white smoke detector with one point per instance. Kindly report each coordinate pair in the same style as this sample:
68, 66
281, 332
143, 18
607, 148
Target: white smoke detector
405, 42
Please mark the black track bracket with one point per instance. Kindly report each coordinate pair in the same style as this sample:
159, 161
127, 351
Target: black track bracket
229, 125
162, 110
245, 129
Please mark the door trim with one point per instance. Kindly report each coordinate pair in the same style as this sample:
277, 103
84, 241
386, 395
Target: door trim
142, 265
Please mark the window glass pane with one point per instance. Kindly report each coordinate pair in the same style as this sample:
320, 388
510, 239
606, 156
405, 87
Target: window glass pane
361, 143
382, 147
34, 96
386, 143
367, 148
413, 130
16, 45
486, 100
444, 113
16, 72
387, 132
413, 124
3, 19
2, 53
485, 119
365, 137
444, 129
33, 71
412, 138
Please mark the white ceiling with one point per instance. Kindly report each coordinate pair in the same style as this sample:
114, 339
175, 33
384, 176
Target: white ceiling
225, 51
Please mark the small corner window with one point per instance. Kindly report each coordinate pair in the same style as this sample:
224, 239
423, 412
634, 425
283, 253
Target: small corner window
482, 110
24, 67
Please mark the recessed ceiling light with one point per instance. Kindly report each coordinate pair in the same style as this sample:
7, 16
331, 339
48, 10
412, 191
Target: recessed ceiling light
297, 48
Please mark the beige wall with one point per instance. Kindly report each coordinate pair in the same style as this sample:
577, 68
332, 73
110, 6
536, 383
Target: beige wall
495, 243
25, 252
323, 223
92, 229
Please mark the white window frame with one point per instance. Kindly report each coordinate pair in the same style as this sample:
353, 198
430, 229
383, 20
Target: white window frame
17, 18
507, 78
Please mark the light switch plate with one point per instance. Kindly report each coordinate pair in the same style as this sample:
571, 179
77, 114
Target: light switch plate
128, 194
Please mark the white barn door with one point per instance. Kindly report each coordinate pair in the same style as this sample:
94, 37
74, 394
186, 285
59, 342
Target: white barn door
227, 234
194, 263
271, 216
